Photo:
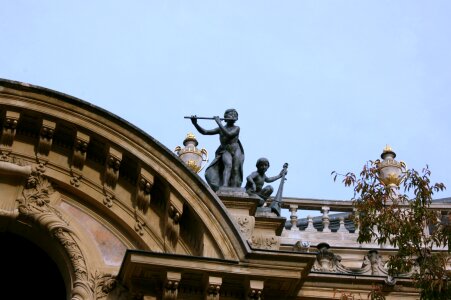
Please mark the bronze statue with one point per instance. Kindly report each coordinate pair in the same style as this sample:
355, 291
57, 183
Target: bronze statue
257, 179
226, 170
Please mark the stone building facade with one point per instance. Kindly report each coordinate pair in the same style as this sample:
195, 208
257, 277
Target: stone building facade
122, 217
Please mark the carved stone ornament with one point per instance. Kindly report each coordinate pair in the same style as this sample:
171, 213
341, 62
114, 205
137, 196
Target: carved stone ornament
113, 164
80, 149
9, 128
75, 180
327, 261
45, 138
108, 200
35, 208
173, 226
373, 264
213, 287
102, 284
171, 286
246, 225
143, 193
265, 242
139, 225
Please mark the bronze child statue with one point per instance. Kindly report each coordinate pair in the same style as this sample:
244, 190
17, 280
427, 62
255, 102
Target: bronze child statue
256, 180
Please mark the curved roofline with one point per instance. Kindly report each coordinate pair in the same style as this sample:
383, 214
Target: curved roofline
26, 87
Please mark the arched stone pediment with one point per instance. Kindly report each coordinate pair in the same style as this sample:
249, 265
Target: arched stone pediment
125, 217
112, 175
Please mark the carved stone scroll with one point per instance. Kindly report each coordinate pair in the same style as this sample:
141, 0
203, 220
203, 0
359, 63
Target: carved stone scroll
113, 163
145, 183
171, 285
9, 128
80, 149
45, 138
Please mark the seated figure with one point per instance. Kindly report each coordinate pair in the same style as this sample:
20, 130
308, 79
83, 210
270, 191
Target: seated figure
256, 180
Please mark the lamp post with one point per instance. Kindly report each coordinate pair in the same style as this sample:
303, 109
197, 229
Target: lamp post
191, 155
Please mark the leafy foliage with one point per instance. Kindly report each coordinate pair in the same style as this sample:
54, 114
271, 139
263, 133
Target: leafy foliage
387, 215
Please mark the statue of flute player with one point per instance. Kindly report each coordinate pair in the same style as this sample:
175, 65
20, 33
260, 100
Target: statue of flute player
226, 170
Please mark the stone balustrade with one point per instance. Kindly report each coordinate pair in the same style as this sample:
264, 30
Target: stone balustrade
314, 221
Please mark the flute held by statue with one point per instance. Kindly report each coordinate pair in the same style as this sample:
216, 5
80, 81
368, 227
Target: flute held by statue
208, 118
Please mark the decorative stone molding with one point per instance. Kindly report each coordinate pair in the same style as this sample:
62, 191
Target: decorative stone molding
213, 288
108, 200
75, 179
35, 208
139, 225
246, 225
373, 264
145, 183
327, 261
171, 285
80, 149
9, 128
113, 163
102, 284
265, 242
45, 138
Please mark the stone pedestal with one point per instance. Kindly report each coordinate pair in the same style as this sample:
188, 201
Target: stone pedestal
259, 226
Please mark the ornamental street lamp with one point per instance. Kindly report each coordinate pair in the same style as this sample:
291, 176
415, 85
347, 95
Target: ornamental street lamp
190, 155
391, 172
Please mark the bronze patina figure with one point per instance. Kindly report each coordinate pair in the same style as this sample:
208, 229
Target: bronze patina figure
226, 170
257, 179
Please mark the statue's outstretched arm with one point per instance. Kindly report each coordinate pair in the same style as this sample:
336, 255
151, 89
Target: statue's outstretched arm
274, 178
203, 130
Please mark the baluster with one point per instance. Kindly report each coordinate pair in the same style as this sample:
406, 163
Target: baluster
342, 227
294, 217
326, 220
356, 221
310, 227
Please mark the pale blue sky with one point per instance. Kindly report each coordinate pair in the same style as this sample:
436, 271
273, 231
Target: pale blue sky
322, 85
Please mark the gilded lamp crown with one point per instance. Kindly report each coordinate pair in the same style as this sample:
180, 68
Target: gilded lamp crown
388, 150
190, 137
190, 155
